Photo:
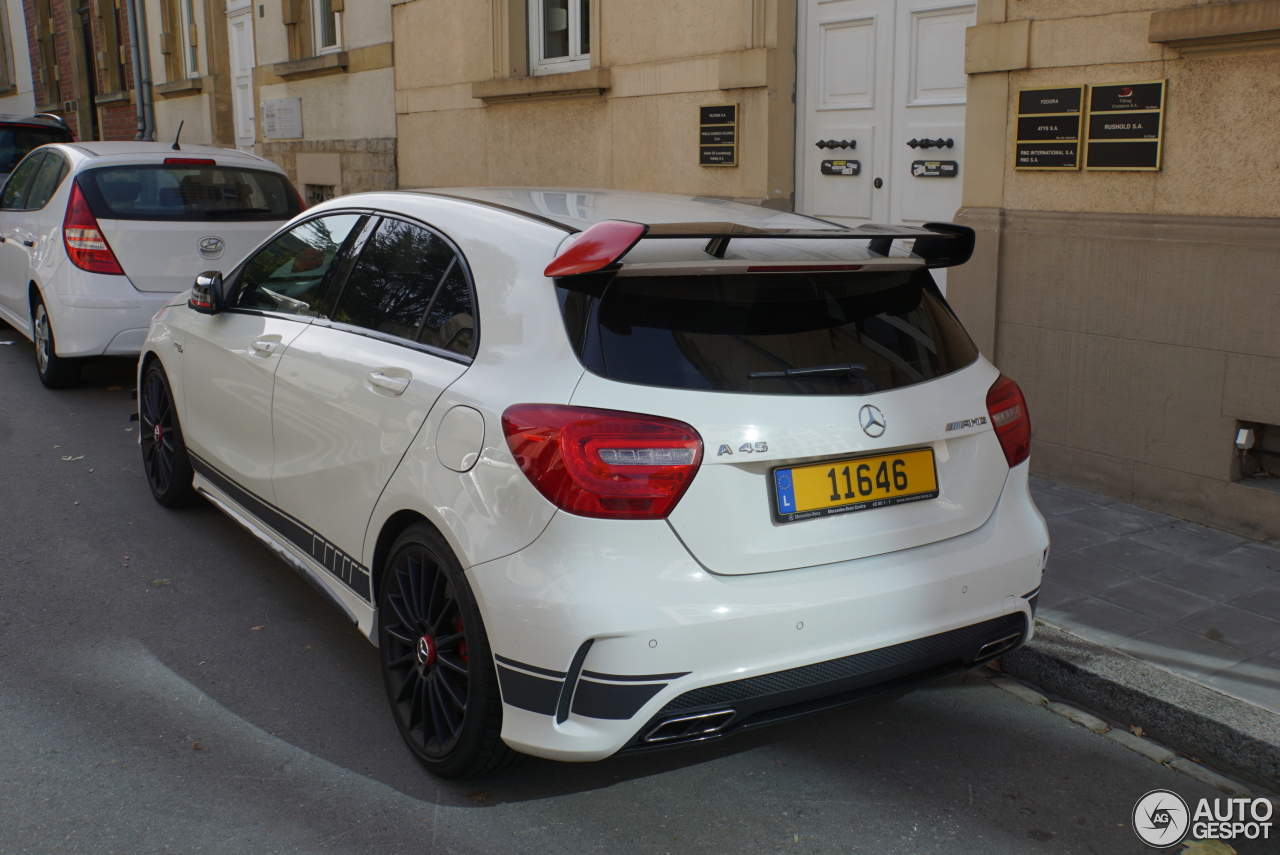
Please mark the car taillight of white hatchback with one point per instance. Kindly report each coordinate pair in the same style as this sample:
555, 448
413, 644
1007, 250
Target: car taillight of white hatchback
603, 463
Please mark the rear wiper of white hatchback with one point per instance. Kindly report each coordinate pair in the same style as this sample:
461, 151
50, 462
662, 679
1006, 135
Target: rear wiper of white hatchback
852, 370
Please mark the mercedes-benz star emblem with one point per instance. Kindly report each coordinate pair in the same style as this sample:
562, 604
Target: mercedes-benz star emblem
871, 420
211, 245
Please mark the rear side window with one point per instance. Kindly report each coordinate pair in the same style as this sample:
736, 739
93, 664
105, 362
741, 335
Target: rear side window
15, 189
715, 332
17, 142
52, 170
291, 274
188, 192
410, 283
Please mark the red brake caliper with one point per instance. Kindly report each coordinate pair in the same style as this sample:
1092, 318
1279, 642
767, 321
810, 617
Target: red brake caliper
462, 645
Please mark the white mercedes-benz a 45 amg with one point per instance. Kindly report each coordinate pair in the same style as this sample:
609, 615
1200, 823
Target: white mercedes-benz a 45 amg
608, 471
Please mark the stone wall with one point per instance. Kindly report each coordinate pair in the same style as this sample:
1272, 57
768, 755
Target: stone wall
365, 164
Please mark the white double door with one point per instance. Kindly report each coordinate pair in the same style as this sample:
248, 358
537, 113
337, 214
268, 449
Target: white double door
882, 73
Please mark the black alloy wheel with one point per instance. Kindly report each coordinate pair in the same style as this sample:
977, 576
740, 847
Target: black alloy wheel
55, 372
164, 455
436, 663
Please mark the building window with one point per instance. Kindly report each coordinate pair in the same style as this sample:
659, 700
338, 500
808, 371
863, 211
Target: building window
559, 35
187, 38
328, 24
317, 193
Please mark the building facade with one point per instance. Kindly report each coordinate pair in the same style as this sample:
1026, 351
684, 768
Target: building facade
17, 95
78, 57
1137, 306
323, 82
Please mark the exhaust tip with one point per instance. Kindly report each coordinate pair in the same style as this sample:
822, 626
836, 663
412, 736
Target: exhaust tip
1000, 645
689, 726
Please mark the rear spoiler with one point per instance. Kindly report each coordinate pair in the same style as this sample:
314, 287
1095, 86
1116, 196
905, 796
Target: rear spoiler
600, 246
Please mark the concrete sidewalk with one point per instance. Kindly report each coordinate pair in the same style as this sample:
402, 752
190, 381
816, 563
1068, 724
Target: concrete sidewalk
1161, 623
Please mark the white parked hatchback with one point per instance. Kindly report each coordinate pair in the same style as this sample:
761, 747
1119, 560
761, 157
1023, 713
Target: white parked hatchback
608, 471
95, 237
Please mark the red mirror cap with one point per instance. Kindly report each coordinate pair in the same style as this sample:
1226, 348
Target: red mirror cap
596, 248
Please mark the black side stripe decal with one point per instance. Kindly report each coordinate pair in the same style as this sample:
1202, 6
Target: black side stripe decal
528, 692
634, 678
351, 572
602, 700
559, 675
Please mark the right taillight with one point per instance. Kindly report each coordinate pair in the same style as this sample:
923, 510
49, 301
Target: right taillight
1008, 411
86, 245
603, 463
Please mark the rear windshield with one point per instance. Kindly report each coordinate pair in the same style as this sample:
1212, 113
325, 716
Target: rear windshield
213, 193
16, 143
862, 332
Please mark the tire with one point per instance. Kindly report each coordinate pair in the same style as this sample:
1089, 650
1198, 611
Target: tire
436, 663
164, 454
55, 371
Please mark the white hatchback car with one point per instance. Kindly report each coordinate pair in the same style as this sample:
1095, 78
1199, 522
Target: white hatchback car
95, 237
608, 471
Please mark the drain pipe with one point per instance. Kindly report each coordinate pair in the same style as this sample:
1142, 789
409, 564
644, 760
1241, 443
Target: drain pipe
135, 56
144, 44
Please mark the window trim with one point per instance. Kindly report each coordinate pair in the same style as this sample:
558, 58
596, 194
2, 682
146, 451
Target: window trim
575, 61
316, 25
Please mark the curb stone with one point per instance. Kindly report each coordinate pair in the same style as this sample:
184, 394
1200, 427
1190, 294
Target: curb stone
1234, 736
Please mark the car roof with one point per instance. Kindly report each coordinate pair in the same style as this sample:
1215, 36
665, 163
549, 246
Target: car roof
51, 122
576, 209
134, 148
579, 208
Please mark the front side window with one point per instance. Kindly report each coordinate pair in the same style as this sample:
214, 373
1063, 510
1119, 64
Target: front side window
559, 35
328, 26
203, 192
52, 170
292, 273
410, 283
15, 189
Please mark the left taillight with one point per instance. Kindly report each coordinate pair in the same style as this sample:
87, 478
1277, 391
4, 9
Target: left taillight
1008, 411
603, 463
86, 246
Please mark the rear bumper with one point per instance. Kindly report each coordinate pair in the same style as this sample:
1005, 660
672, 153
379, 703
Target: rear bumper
605, 629
94, 314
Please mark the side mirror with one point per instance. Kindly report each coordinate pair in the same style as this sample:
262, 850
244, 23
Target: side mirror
206, 293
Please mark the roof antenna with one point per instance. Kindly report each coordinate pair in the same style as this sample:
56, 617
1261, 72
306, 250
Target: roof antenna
177, 135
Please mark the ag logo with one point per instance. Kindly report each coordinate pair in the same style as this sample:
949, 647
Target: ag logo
1161, 819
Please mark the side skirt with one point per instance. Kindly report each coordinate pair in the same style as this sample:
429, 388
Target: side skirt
281, 552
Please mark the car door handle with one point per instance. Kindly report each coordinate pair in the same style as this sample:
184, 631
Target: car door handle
263, 347
394, 385
28, 243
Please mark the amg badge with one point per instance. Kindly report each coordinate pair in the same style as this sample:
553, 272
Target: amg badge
980, 420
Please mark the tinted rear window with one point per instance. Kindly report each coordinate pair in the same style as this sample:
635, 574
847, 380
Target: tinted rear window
17, 142
199, 193
713, 332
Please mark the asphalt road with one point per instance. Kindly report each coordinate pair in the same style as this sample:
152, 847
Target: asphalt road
167, 685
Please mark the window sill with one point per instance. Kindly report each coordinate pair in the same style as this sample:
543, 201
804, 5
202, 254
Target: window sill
313, 66
1218, 29
108, 98
572, 84
179, 88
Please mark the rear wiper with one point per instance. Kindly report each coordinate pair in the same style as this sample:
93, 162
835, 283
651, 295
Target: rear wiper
852, 370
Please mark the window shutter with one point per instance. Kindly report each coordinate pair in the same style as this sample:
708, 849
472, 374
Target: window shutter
291, 11
336, 6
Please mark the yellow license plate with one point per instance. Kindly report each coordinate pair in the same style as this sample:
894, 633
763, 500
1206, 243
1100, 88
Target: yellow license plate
854, 484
